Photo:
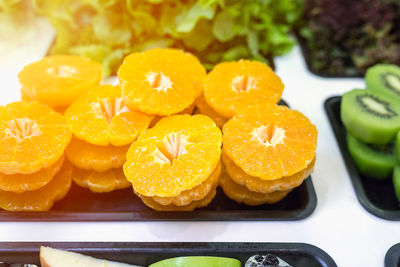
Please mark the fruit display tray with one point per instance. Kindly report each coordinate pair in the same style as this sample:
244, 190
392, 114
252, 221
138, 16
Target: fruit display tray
392, 258
375, 196
122, 205
295, 254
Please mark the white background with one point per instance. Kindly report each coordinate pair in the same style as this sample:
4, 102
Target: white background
339, 225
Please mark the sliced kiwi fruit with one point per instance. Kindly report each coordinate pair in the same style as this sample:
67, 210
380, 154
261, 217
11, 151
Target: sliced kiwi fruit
398, 146
396, 182
198, 261
370, 117
372, 160
384, 78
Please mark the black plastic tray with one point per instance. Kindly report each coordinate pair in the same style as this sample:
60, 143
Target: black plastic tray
82, 205
377, 197
296, 254
122, 205
392, 258
307, 58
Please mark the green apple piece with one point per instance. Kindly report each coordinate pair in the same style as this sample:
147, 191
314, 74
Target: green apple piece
198, 261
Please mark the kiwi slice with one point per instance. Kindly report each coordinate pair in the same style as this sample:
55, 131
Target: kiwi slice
372, 160
396, 182
198, 261
370, 117
384, 78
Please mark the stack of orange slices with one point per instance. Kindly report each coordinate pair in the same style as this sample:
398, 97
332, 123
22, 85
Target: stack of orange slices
175, 166
33, 172
267, 151
231, 86
140, 133
58, 80
103, 128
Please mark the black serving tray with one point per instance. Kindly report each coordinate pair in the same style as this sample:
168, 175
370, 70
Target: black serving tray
122, 205
392, 258
375, 196
295, 254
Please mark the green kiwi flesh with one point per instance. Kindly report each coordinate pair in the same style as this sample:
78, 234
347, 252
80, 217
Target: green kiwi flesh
371, 117
384, 78
396, 182
373, 161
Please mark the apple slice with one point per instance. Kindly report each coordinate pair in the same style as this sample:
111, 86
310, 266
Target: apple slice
51, 257
198, 261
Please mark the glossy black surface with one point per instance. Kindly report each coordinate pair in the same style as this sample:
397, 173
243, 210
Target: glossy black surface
377, 197
392, 258
296, 254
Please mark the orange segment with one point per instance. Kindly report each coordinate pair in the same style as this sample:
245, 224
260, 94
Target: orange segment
161, 81
101, 182
98, 158
32, 137
148, 201
241, 194
205, 109
270, 142
242, 83
100, 117
58, 80
42, 199
19, 183
177, 154
194, 194
265, 186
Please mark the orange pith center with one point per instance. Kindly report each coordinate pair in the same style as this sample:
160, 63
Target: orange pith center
243, 83
159, 81
21, 129
62, 71
109, 108
172, 146
269, 135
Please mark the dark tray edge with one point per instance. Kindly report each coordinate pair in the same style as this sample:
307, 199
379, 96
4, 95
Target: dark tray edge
158, 247
306, 55
259, 215
392, 257
352, 170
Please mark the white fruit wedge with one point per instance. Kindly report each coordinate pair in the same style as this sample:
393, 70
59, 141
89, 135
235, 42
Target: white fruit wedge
51, 257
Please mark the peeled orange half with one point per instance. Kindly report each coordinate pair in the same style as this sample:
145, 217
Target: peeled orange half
232, 85
32, 137
161, 81
41, 199
177, 154
101, 117
270, 142
58, 80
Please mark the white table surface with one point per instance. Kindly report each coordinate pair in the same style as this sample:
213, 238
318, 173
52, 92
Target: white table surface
339, 225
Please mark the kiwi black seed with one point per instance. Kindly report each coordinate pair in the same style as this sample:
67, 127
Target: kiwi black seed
384, 78
370, 116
